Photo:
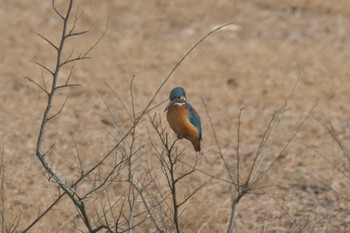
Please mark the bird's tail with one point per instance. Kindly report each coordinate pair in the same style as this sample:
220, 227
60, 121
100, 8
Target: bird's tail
197, 145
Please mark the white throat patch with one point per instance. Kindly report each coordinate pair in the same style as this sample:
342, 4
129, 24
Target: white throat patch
180, 104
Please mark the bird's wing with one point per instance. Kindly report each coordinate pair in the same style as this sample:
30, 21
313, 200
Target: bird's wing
195, 119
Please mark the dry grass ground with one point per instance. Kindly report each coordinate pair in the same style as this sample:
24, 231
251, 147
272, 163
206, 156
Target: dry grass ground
252, 64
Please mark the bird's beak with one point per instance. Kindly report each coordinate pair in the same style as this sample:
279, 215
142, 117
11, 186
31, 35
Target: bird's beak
169, 105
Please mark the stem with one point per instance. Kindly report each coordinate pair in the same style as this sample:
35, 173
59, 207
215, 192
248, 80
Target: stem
234, 207
53, 85
173, 192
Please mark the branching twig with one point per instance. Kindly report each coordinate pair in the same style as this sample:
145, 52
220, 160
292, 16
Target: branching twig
46, 118
329, 127
6, 227
243, 186
169, 158
71, 190
227, 167
284, 148
38, 85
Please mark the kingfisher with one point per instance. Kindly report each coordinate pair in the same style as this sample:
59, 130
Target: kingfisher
183, 118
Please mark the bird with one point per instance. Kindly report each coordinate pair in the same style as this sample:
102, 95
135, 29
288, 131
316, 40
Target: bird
183, 118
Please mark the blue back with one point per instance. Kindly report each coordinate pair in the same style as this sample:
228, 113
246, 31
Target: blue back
193, 115
195, 119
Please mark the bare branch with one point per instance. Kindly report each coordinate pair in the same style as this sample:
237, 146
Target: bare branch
207, 174
13, 226
71, 190
72, 34
327, 186
228, 170
329, 127
5, 226
44, 67
59, 111
237, 186
47, 40
98, 40
38, 85
169, 158
78, 163
261, 145
44, 84
191, 194
76, 18
55, 9
286, 145
234, 206
132, 97
331, 163
146, 109
68, 85
48, 209
68, 12
120, 100
78, 58
106, 179
69, 56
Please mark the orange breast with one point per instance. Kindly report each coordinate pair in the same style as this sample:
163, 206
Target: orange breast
177, 116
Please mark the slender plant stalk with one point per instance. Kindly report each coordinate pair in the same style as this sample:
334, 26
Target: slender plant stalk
47, 116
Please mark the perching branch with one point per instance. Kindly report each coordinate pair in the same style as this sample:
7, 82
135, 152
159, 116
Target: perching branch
169, 158
71, 190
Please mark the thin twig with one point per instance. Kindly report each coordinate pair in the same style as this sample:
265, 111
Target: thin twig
38, 85
47, 40
228, 170
286, 145
329, 127
238, 152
